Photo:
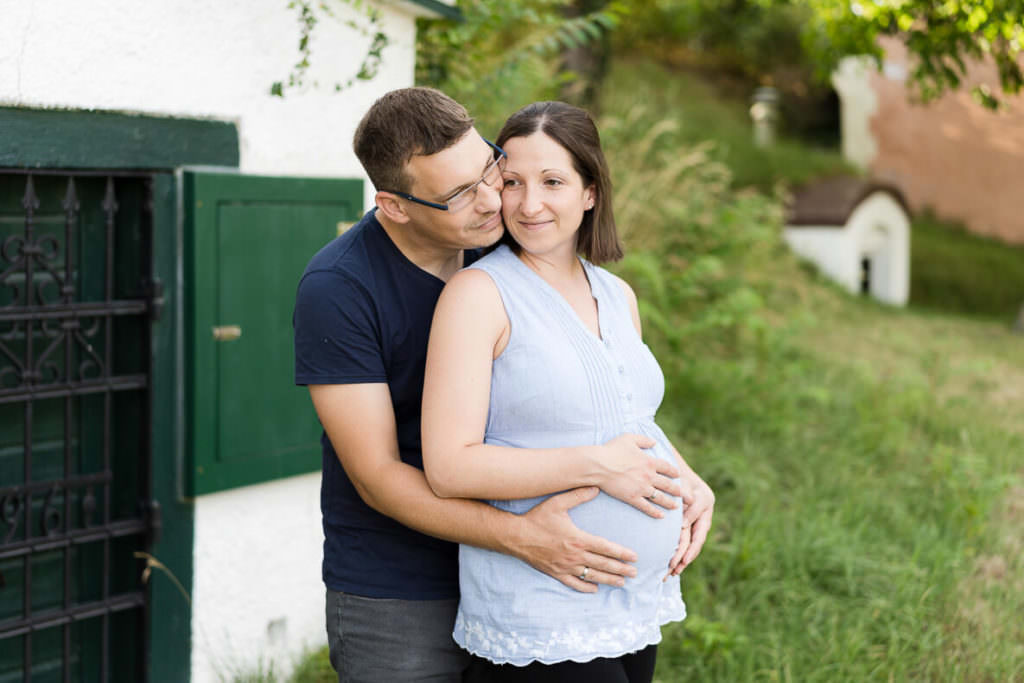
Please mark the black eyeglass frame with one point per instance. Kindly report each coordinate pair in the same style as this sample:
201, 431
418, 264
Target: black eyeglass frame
470, 188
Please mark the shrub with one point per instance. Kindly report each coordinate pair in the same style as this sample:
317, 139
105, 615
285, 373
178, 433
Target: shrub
515, 55
953, 270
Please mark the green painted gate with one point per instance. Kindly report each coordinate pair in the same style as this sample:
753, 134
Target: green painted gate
76, 301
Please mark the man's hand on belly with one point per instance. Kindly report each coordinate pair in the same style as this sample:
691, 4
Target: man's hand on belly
550, 543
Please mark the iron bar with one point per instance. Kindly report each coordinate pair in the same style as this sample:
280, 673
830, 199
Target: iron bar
85, 309
128, 527
78, 172
110, 208
111, 384
75, 482
154, 294
88, 610
71, 207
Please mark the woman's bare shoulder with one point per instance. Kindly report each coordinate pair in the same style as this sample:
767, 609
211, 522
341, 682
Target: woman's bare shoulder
634, 307
472, 294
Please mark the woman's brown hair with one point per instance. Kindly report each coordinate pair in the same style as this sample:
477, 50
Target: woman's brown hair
573, 129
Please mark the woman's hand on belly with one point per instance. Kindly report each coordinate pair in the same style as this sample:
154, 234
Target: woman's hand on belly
675, 565
631, 474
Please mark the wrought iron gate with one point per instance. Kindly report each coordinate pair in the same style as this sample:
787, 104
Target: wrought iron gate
76, 303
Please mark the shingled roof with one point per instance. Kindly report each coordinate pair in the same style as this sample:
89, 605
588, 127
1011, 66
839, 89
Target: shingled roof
831, 201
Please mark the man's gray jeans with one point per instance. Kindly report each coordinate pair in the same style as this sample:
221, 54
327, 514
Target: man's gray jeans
374, 640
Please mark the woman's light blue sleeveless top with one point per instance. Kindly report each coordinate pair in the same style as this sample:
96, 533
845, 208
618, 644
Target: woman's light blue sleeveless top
556, 384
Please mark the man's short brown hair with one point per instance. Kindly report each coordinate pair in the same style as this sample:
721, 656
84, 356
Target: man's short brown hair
406, 123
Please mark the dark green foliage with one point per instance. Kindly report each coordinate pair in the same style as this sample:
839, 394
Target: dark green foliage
787, 41
744, 44
953, 270
515, 57
943, 36
315, 668
744, 37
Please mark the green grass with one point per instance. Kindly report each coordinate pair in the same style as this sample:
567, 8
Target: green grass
315, 668
704, 115
953, 270
856, 486
867, 461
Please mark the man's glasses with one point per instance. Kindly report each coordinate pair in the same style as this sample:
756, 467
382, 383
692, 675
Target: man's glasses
466, 195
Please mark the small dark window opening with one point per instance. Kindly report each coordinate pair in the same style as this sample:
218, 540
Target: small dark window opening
865, 276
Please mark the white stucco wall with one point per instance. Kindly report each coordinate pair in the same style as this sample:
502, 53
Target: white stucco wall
878, 229
200, 59
857, 105
257, 593
827, 247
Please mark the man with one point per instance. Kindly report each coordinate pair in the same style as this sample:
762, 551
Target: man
362, 319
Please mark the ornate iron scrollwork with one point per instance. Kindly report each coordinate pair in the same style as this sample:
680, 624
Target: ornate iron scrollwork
69, 362
50, 519
10, 511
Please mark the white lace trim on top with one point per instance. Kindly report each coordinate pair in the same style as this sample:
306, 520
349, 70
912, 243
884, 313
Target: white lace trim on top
509, 647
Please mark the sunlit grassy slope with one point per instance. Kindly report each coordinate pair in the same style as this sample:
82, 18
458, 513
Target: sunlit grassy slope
867, 460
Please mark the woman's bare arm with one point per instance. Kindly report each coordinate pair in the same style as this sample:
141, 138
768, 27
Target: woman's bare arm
469, 330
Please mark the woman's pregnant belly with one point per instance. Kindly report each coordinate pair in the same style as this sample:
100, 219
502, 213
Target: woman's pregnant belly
508, 608
654, 540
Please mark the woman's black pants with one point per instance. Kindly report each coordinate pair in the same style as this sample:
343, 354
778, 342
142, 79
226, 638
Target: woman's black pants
637, 667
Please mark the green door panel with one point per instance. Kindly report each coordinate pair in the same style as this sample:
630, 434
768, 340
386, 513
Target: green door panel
248, 239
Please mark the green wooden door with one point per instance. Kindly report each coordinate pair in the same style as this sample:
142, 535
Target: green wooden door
248, 239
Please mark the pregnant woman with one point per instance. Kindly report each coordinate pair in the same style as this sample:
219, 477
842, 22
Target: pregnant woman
535, 346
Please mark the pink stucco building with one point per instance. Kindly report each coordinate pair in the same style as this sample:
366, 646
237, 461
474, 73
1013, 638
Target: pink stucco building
953, 156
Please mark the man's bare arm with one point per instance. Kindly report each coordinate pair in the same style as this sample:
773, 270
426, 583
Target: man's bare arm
359, 420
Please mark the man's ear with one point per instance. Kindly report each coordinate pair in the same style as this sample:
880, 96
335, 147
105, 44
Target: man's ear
389, 205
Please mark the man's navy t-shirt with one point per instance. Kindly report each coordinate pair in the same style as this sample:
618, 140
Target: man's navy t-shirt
363, 314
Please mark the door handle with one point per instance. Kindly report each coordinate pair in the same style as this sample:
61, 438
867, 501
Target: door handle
226, 333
